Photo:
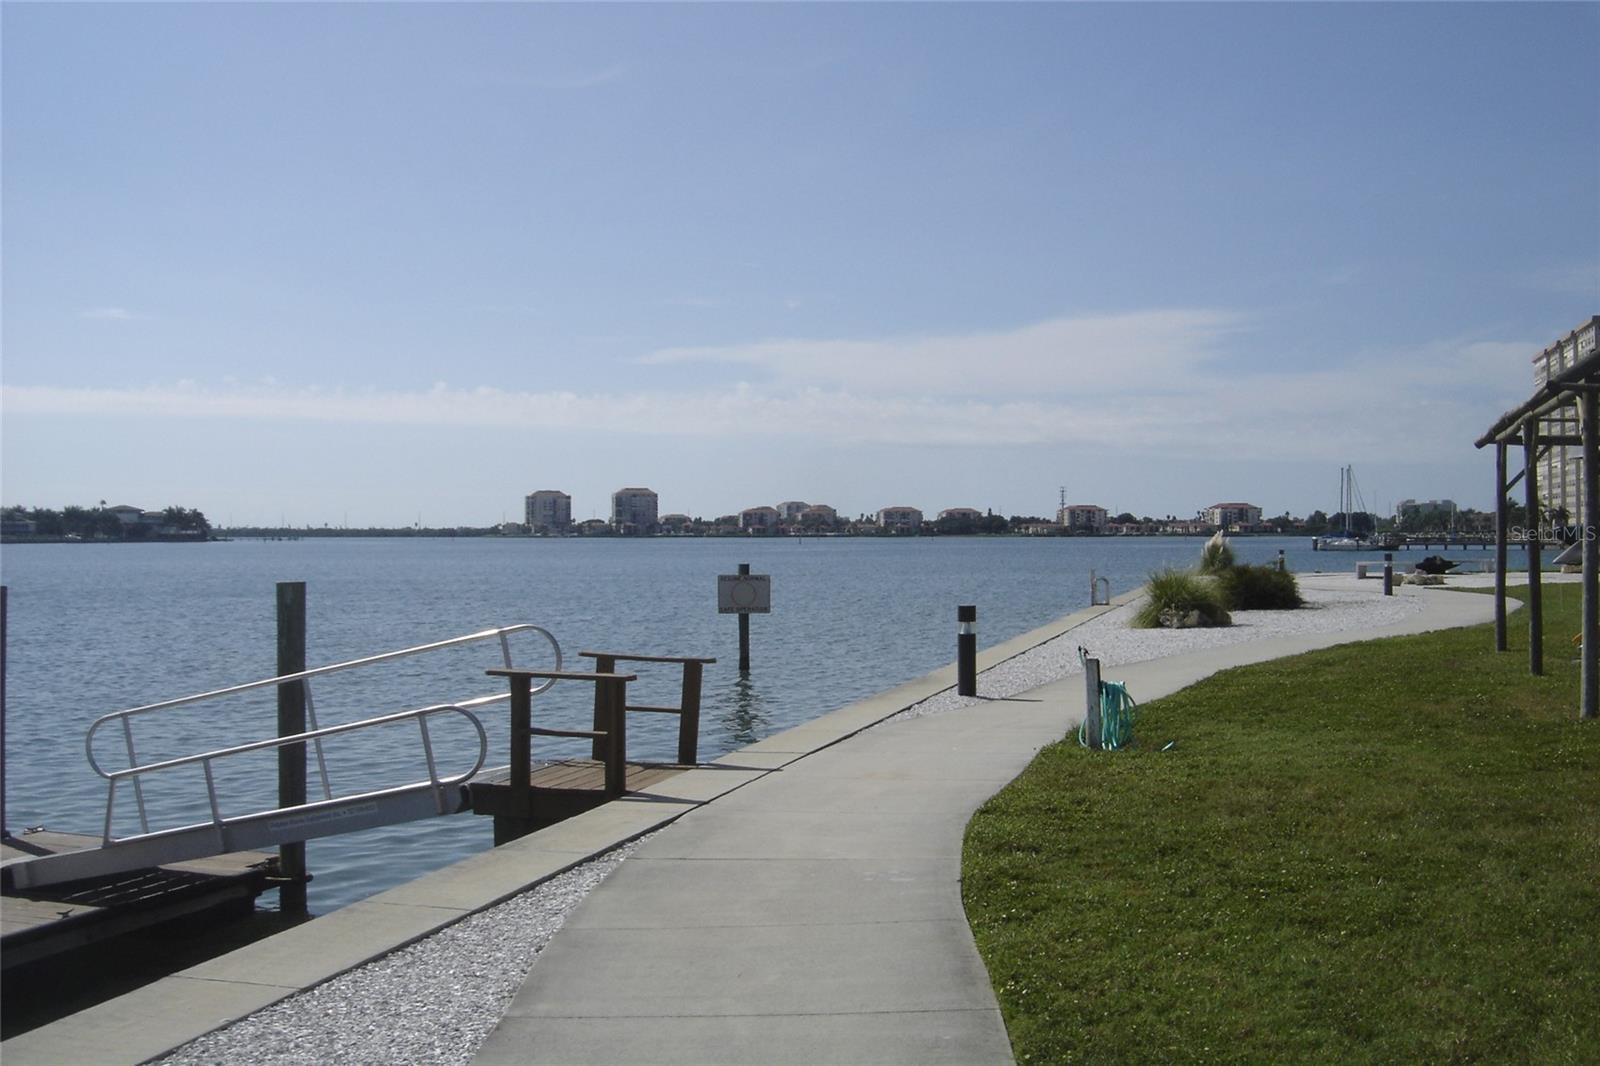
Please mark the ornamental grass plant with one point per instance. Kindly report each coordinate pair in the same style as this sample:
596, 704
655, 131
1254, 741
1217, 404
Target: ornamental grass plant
1177, 595
1216, 556
1259, 588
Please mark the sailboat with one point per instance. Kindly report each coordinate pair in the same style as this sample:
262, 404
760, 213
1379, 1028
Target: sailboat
1346, 541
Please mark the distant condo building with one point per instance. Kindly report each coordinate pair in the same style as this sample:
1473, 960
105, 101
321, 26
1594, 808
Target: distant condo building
1082, 518
676, 523
759, 519
633, 511
818, 515
791, 510
1560, 472
960, 514
900, 519
1228, 515
548, 511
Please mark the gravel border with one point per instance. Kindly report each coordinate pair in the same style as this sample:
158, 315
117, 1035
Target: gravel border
433, 1003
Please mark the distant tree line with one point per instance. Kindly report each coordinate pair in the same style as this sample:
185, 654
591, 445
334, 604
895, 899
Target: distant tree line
103, 523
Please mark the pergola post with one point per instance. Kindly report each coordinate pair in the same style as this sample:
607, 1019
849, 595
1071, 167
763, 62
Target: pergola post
1530, 483
1500, 517
1590, 704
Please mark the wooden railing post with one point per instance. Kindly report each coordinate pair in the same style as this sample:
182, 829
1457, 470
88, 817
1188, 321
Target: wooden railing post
689, 721
687, 710
521, 766
518, 818
603, 664
614, 693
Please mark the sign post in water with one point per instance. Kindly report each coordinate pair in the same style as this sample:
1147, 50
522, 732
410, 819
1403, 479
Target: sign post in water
744, 594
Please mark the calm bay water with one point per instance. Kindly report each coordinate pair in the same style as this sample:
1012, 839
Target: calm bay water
98, 628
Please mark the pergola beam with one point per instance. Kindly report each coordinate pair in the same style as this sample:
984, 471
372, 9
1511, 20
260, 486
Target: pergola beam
1535, 600
1500, 521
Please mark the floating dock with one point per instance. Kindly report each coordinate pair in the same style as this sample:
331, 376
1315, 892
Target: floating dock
50, 920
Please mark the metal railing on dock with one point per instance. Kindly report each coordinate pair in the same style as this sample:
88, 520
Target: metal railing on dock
331, 814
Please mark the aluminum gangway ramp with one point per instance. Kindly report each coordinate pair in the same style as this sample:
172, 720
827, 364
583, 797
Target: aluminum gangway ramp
438, 794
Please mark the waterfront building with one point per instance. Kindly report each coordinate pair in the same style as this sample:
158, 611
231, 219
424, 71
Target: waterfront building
900, 520
961, 514
759, 519
1082, 518
676, 523
1560, 472
819, 516
1227, 516
633, 511
547, 511
791, 510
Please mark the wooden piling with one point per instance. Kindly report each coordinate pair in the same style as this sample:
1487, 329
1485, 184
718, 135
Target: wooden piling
1530, 484
292, 720
744, 630
5, 830
1501, 519
1589, 703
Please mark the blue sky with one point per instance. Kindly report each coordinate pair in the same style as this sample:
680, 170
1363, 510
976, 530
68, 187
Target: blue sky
381, 263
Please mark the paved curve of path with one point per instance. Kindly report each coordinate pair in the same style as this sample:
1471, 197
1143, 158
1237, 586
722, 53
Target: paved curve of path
814, 915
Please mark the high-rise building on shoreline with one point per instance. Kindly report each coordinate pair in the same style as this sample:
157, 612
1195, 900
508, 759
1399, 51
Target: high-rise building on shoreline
548, 511
633, 510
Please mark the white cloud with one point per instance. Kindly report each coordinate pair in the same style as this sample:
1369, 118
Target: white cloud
1149, 383
1422, 410
1108, 353
110, 314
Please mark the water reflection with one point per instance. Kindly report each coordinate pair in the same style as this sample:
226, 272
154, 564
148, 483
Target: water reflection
743, 712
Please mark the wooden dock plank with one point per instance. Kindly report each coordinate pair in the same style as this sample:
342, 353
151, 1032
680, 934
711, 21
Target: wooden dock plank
560, 789
51, 919
18, 915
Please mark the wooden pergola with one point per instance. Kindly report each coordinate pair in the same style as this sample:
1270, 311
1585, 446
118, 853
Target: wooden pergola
1543, 422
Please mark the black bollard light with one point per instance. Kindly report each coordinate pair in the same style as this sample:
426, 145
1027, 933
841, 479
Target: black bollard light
967, 650
1282, 566
1388, 573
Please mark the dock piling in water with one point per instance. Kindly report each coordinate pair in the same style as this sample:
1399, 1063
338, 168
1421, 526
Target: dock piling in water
292, 721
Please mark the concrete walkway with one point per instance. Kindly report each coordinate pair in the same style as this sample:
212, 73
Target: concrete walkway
814, 915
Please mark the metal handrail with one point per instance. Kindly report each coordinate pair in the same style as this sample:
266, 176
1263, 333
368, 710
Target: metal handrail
124, 717
421, 714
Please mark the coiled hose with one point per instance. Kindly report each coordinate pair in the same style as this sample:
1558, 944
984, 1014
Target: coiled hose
1116, 715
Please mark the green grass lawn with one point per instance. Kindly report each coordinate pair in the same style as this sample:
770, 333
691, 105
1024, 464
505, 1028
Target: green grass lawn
1385, 852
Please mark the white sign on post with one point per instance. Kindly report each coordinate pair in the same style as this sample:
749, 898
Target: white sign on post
744, 593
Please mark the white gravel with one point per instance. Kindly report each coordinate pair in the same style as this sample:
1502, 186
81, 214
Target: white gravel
430, 1004
1333, 605
435, 1002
